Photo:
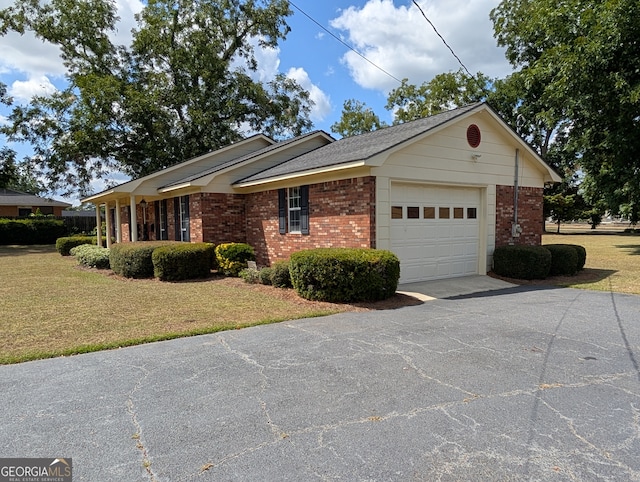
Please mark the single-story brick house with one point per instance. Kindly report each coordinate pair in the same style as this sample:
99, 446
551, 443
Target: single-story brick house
439, 192
19, 204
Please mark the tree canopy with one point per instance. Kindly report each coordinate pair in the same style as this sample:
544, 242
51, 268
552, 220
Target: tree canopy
583, 58
184, 86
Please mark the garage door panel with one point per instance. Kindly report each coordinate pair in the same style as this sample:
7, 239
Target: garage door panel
443, 241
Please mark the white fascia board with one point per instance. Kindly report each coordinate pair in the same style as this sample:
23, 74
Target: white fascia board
296, 175
175, 188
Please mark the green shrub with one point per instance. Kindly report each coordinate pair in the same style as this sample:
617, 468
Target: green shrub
133, 260
564, 260
280, 275
250, 275
31, 231
343, 274
175, 262
522, 262
213, 261
233, 257
264, 275
91, 256
65, 245
580, 251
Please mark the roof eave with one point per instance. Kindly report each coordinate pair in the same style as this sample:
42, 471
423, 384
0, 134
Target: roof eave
295, 175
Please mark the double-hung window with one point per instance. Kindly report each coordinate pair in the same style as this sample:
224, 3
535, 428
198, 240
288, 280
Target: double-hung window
181, 216
293, 210
162, 220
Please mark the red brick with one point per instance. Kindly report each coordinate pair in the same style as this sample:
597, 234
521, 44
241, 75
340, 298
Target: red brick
530, 215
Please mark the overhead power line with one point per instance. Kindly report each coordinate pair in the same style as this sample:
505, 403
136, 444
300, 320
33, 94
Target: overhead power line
478, 83
343, 42
443, 40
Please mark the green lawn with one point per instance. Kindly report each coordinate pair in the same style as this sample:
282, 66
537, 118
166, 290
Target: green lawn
613, 261
51, 307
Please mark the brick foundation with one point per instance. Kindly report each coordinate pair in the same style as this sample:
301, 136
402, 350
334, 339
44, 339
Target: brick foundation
530, 215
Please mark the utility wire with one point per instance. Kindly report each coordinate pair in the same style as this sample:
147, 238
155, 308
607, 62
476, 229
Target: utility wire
442, 38
343, 42
482, 87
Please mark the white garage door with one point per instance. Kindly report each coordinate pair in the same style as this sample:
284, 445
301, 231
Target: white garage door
435, 231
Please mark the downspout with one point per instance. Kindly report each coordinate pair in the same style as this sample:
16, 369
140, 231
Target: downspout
515, 227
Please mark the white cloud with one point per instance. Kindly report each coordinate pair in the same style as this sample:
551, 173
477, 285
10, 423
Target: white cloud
268, 67
30, 55
34, 58
322, 103
401, 41
126, 11
25, 90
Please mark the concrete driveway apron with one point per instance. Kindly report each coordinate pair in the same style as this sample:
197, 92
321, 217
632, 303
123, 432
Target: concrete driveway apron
509, 384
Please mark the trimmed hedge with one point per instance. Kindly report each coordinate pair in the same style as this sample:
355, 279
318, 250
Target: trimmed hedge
564, 259
280, 276
233, 257
580, 251
345, 274
522, 262
65, 245
31, 231
265, 275
175, 262
91, 256
133, 260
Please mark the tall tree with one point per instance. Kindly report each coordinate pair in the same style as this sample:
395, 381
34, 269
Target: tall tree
585, 56
356, 119
444, 92
185, 85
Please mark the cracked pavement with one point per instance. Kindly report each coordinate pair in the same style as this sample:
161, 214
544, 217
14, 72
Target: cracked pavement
527, 383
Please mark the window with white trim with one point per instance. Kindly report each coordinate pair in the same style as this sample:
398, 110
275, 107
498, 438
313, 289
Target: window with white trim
293, 199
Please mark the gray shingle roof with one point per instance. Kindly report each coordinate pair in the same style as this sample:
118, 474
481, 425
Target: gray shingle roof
357, 148
239, 160
9, 197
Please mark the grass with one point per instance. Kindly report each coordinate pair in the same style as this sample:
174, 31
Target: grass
613, 260
50, 307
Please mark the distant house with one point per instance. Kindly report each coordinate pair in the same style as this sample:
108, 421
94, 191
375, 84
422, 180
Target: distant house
19, 204
441, 192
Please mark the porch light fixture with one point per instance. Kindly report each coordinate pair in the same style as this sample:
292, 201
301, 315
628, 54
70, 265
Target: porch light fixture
143, 203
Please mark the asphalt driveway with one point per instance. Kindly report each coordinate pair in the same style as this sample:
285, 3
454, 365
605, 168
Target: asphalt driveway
510, 384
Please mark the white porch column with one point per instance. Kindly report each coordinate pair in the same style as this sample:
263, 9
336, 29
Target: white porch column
107, 218
98, 226
134, 219
118, 222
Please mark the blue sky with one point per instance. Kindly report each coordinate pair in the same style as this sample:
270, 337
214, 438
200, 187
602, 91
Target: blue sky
391, 34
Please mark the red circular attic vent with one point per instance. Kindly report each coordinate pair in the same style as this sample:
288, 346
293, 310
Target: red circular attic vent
473, 135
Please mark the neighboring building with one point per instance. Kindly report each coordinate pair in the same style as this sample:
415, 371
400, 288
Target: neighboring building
439, 192
19, 204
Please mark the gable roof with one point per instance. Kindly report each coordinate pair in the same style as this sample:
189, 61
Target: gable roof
10, 197
358, 148
247, 157
210, 158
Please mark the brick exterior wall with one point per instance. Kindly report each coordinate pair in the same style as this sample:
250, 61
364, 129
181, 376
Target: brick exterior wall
341, 214
530, 215
13, 211
124, 223
218, 218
